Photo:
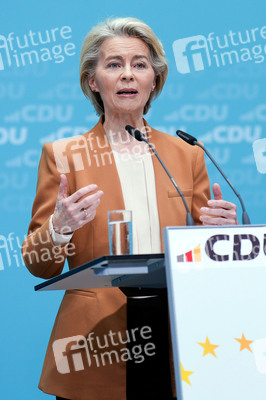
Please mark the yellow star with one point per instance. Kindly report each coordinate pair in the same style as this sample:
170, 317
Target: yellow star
185, 375
208, 347
244, 343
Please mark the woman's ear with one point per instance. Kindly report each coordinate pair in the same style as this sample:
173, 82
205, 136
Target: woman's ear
93, 85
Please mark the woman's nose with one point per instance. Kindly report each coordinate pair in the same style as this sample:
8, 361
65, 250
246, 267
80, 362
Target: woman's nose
127, 73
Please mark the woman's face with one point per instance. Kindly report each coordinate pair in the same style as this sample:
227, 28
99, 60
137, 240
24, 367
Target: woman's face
124, 76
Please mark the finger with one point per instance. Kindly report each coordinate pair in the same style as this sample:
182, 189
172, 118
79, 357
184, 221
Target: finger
88, 214
82, 192
207, 220
86, 218
85, 212
62, 191
227, 205
76, 212
90, 211
220, 212
93, 206
217, 193
90, 200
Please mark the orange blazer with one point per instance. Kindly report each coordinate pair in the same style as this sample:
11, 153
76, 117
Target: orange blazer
88, 159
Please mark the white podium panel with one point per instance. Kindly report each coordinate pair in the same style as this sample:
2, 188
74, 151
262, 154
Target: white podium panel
216, 279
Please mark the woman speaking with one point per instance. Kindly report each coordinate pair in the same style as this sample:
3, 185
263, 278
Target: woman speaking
122, 69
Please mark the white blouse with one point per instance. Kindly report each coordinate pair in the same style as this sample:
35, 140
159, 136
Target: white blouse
137, 179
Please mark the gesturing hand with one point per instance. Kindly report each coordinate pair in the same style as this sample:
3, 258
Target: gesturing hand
71, 214
219, 212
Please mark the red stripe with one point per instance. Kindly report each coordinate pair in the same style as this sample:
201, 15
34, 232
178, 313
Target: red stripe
189, 256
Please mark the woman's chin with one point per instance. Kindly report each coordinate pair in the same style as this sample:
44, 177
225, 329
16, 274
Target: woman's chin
128, 109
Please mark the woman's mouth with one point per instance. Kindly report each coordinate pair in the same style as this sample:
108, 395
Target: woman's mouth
127, 92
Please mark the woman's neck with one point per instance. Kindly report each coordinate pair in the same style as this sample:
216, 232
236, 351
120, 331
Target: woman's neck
118, 137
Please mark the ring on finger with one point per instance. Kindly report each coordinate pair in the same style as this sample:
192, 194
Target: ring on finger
85, 211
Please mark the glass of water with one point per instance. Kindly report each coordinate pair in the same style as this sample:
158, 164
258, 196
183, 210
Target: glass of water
120, 232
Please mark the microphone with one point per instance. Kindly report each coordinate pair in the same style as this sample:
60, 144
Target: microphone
141, 138
193, 141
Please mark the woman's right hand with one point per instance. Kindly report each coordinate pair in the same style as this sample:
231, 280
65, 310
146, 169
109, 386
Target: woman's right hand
71, 214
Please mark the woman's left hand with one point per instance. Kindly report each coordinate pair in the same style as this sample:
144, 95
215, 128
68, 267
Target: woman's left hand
219, 211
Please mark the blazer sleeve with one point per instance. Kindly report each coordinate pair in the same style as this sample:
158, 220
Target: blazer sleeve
201, 185
41, 256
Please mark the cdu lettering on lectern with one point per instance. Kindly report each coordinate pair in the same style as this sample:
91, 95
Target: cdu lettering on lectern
254, 251
239, 247
209, 248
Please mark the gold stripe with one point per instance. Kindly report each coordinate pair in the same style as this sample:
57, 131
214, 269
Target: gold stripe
197, 253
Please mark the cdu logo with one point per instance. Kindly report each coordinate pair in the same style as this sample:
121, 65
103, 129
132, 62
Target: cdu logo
191, 54
190, 256
259, 150
225, 248
241, 247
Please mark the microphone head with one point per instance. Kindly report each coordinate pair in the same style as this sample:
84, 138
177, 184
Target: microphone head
186, 137
134, 132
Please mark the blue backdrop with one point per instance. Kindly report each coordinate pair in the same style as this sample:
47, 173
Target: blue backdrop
217, 94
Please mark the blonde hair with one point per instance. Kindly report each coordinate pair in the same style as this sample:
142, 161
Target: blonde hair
129, 27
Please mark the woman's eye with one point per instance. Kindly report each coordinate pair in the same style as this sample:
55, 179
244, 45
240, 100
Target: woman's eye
140, 65
113, 65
